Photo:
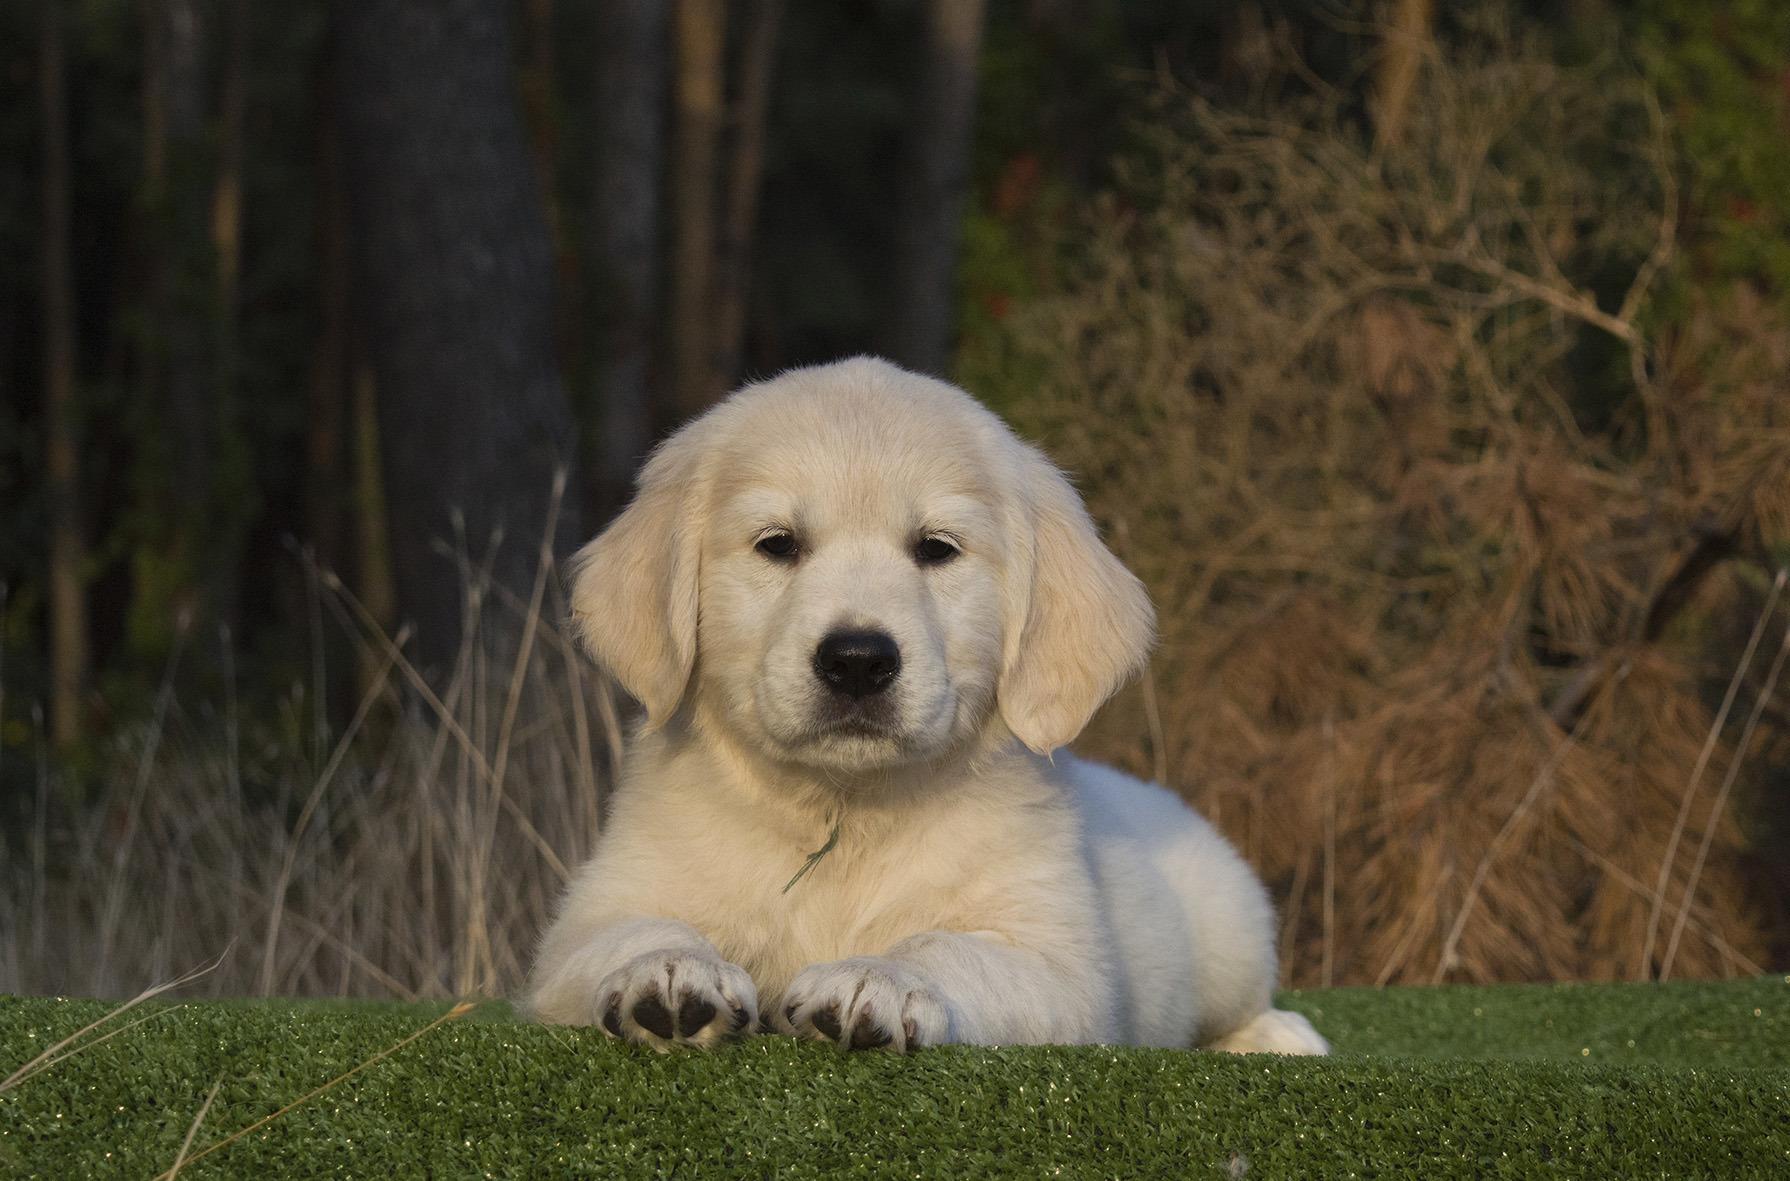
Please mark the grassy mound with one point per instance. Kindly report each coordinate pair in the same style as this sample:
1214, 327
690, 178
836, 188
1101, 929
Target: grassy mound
1686, 1079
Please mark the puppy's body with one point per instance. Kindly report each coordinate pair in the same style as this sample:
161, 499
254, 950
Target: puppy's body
842, 596
1098, 880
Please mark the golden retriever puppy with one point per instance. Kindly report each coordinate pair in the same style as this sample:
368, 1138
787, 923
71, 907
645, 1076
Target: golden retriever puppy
863, 618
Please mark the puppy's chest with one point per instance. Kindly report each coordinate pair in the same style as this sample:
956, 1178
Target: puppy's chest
855, 899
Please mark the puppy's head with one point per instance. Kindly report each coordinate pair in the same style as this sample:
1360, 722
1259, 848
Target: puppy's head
853, 567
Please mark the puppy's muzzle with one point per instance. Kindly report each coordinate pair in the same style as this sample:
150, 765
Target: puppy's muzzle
857, 664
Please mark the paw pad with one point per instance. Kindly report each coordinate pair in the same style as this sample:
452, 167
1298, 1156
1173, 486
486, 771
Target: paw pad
651, 1015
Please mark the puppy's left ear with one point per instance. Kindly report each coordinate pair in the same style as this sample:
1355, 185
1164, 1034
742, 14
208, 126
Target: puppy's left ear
1079, 629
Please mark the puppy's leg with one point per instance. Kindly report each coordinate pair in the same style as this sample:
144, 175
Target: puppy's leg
947, 986
654, 981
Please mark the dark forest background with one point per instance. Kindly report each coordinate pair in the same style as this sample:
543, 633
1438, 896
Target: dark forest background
302, 307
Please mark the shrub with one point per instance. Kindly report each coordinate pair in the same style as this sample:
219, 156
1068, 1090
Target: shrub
1450, 516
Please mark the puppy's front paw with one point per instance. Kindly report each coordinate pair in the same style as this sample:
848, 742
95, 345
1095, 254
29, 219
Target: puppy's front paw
864, 1003
665, 999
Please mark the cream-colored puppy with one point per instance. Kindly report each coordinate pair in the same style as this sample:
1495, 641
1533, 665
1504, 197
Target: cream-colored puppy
861, 615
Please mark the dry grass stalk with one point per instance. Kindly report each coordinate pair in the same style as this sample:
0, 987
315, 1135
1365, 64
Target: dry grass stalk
1721, 800
414, 856
1690, 791
192, 1131
62, 1050
459, 1010
1329, 394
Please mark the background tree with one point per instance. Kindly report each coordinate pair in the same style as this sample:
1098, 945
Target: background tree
456, 276
718, 149
62, 461
935, 183
627, 114
745, 176
699, 41
190, 565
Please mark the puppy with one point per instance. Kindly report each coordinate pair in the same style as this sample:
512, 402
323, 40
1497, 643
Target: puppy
863, 618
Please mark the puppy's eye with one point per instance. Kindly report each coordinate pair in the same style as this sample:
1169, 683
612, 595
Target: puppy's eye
935, 550
780, 546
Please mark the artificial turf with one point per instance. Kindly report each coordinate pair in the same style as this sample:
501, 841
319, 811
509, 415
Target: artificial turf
1617, 1080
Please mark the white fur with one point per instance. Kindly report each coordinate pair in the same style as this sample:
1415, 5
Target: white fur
982, 889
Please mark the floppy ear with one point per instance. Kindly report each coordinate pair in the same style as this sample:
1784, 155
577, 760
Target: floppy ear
634, 587
1080, 630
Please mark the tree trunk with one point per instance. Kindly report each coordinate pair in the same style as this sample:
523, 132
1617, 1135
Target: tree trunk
745, 175
456, 277
68, 548
628, 127
935, 182
537, 81
326, 414
155, 105
374, 579
181, 205
700, 38
226, 200
222, 551
183, 115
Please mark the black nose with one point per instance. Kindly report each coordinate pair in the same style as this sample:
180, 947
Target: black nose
857, 664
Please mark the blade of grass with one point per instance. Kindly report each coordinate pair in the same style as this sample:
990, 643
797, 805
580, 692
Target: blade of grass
442, 713
1721, 801
1643, 969
1634, 884
342, 947
1543, 777
519, 674
54, 1054
114, 907
459, 1010
277, 903
187, 1144
3, 592
43, 1062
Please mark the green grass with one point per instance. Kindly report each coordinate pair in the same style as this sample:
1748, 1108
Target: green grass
1679, 1080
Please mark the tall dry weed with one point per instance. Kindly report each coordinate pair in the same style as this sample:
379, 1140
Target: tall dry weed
1437, 628
414, 854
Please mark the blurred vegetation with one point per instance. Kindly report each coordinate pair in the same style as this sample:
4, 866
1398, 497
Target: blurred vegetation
1458, 466
1267, 478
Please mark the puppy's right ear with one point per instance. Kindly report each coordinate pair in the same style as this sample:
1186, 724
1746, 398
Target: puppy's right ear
634, 587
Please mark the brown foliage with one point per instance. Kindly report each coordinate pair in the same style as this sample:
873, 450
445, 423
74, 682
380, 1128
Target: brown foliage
1435, 641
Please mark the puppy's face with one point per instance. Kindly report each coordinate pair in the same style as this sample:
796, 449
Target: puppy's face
851, 591
853, 567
